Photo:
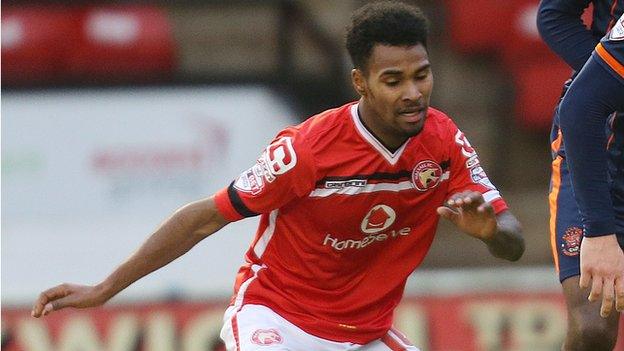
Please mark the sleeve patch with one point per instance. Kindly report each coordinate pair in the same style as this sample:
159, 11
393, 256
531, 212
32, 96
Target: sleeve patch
467, 150
477, 174
479, 177
617, 32
277, 159
251, 181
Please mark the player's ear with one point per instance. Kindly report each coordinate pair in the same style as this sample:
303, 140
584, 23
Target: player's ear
359, 81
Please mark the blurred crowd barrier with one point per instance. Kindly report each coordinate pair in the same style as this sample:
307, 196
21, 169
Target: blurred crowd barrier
88, 175
520, 321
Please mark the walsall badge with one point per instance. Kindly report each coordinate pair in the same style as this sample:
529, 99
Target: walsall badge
426, 175
266, 337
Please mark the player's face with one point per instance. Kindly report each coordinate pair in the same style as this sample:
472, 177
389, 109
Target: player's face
395, 90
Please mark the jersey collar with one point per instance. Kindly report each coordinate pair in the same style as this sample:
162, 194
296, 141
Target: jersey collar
391, 157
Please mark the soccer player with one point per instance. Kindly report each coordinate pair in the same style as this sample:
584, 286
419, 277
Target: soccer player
349, 203
561, 27
596, 167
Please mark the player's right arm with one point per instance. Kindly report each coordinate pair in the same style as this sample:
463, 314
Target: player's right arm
560, 25
475, 206
284, 171
175, 236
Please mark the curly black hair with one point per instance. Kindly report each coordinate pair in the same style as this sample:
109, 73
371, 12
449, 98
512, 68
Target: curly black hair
387, 22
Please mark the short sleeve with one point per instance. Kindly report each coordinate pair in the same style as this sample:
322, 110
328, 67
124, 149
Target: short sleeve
467, 173
283, 172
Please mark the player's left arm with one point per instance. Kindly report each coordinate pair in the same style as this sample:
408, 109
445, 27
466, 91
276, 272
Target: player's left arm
474, 216
475, 205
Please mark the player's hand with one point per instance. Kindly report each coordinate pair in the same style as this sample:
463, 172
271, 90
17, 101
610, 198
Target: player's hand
471, 214
67, 295
602, 263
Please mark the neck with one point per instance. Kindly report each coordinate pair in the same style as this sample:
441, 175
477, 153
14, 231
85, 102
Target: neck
371, 120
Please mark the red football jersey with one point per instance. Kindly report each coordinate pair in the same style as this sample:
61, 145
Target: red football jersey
344, 220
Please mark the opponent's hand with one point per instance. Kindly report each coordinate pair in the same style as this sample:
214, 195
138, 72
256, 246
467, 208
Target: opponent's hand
602, 263
67, 295
471, 214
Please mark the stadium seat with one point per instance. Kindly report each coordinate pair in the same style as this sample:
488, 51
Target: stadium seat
35, 43
510, 32
538, 88
124, 43
477, 26
524, 42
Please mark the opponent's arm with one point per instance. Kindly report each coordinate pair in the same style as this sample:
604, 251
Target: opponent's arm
175, 236
584, 111
594, 94
501, 233
560, 25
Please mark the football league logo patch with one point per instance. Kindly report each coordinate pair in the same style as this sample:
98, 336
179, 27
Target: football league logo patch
571, 245
266, 337
251, 181
426, 175
479, 177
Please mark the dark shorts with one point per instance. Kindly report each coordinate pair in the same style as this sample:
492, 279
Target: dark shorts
566, 228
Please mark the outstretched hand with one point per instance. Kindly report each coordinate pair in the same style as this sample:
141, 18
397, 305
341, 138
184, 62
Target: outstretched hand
471, 214
67, 295
602, 263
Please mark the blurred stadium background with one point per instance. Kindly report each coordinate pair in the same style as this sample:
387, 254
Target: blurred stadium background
116, 113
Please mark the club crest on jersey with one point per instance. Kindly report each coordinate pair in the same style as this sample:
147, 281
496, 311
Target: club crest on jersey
571, 245
266, 337
379, 218
426, 175
617, 32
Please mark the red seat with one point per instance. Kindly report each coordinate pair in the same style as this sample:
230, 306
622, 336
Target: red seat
508, 29
35, 43
538, 89
524, 42
124, 43
477, 26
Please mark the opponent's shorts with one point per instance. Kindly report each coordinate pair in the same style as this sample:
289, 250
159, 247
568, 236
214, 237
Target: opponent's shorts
566, 226
258, 328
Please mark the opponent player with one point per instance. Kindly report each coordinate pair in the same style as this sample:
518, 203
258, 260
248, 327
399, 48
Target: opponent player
561, 27
349, 201
596, 164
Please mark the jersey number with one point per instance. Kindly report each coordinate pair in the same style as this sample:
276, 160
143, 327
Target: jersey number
280, 156
466, 149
